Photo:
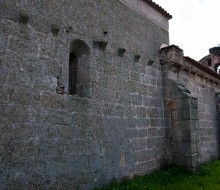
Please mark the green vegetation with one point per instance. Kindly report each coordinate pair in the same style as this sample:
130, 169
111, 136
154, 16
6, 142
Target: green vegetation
206, 177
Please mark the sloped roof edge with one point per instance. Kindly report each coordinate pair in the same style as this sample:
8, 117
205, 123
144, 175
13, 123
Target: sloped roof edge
158, 8
202, 67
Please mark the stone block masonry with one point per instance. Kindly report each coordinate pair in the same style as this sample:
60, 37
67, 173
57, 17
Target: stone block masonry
191, 94
184, 117
218, 108
87, 97
109, 125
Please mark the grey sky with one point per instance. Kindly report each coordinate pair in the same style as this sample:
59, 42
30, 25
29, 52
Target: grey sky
195, 25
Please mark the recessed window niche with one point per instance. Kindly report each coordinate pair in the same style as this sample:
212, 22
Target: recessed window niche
79, 69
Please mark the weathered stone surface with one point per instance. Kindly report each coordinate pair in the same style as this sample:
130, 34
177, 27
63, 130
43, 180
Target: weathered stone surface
131, 116
193, 116
50, 139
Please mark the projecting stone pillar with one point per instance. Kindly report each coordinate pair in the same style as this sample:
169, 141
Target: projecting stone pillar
218, 108
185, 128
183, 111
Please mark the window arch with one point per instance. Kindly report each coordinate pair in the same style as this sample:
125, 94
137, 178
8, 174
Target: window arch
79, 69
217, 68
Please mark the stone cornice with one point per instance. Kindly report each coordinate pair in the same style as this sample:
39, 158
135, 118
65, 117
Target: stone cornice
202, 67
173, 56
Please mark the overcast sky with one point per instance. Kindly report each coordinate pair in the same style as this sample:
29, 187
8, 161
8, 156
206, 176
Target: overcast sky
195, 26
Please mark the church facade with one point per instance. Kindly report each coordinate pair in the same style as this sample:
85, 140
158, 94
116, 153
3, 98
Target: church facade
89, 95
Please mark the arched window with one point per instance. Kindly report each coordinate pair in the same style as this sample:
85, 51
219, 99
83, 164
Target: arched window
217, 68
79, 69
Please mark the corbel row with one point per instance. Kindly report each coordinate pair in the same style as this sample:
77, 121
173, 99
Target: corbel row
101, 45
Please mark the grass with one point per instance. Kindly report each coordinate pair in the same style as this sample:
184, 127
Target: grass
206, 177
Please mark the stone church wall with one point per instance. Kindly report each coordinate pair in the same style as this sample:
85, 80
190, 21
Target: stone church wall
127, 108
114, 127
205, 91
191, 92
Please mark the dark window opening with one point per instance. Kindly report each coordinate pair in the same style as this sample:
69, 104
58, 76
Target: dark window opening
209, 62
73, 83
79, 69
